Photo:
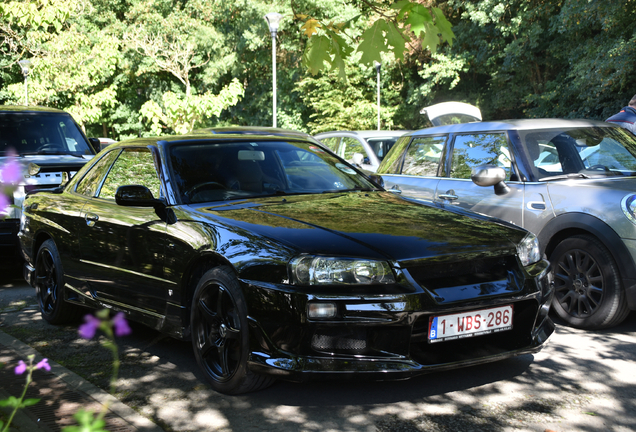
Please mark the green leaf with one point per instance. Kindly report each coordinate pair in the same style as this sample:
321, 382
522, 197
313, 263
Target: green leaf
317, 53
11, 401
29, 402
373, 42
396, 39
430, 39
443, 26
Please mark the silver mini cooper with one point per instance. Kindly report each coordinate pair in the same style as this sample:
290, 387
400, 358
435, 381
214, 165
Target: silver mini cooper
571, 182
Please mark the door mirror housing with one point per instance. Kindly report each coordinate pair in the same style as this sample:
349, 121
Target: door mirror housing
490, 175
136, 196
358, 159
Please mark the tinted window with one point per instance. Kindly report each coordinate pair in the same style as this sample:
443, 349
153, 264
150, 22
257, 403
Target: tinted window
132, 167
473, 150
423, 156
216, 172
41, 133
90, 183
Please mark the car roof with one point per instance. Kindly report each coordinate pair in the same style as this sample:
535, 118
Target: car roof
518, 124
159, 141
30, 109
363, 133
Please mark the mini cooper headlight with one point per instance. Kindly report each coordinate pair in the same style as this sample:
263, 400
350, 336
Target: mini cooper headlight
528, 250
318, 270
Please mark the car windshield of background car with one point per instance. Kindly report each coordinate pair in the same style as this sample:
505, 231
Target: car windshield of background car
470, 151
581, 152
40, 133
205, 172
382, 145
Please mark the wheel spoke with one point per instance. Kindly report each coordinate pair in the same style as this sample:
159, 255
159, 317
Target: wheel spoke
208, 315
223, 359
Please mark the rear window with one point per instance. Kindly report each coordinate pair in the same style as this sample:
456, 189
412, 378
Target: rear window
40, 134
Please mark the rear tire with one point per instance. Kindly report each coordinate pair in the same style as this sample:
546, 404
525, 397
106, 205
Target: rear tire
220, 334
49, 286
588, 289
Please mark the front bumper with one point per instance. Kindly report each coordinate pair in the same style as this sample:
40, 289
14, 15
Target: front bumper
386, 336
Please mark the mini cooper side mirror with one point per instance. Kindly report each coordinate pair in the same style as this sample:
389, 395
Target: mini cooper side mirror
490, 175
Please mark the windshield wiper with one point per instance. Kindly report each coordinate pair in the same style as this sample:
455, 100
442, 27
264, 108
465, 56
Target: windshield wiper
566, 177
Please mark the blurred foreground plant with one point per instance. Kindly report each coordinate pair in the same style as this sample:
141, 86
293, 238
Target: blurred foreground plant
86, 419
10, 176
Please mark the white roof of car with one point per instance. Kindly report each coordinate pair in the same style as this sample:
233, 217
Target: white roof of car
444, 108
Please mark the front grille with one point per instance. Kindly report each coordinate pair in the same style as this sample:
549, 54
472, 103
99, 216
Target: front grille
336, 340
467, 272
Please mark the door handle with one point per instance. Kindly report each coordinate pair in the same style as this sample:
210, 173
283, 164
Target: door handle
91, 218
449, 195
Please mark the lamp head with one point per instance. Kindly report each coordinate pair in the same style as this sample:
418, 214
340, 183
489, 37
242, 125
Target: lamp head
273, 21
25, 64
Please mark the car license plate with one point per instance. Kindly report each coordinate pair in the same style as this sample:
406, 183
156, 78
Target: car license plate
469, 324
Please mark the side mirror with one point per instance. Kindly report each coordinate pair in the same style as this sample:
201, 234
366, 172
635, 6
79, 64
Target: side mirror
358, 159
377, 179
95, 144
136, 196
490, 175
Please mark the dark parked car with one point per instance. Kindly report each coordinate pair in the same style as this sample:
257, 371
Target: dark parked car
49, 145
278, 259
571, 182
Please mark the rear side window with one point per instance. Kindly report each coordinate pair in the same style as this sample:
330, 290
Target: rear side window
349, 147
473, 150
331, 142
423, 156
392, 163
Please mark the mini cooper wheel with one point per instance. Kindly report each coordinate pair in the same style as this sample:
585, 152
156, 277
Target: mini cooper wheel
49, 286
588, 291
220, 335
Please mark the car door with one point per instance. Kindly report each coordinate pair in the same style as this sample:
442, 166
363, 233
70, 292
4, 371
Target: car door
122, 248
418, 174
350, 146
456, 188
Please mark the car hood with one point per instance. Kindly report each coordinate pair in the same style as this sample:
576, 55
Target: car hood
378, 225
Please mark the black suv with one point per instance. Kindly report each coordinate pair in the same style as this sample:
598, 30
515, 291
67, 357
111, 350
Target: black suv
50, 146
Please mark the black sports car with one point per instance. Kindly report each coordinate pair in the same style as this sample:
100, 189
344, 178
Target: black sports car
277, 259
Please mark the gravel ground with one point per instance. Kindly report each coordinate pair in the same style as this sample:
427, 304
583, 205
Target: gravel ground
561, 389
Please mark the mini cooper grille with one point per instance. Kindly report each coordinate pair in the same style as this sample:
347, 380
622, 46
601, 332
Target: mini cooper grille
449, 274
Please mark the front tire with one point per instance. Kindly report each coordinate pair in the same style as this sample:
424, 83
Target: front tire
49, 286
588, 290
220, 334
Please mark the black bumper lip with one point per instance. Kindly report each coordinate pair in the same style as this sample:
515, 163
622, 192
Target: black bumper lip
302, 369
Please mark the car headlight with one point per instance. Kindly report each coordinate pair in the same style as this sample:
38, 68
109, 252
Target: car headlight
528, 250
628, 205
318, 270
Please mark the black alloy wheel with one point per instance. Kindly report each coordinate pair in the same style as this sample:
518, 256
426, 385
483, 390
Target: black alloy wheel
49, 286
588, 291
220, 335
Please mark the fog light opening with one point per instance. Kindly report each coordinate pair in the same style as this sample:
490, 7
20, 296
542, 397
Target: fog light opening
321, 310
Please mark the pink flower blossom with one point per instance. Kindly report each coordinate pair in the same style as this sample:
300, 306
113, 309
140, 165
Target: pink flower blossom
20, 368
88, 329
11, 172
121, 325
43, 364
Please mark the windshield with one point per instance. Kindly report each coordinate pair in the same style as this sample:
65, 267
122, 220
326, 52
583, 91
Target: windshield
40, 133
585, 152
205, 171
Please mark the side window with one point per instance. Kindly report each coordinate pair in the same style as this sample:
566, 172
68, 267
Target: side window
90, 183
351, 146
391, 163
331, 142
473, 150
423, 156
132, 167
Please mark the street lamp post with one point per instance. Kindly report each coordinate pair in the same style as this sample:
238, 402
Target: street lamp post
377, 69
25, 65
273, 21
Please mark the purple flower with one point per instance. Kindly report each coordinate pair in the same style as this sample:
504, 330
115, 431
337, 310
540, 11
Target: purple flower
43, 364
88, 329
20, 368
11, 172
4, 202
121, 325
